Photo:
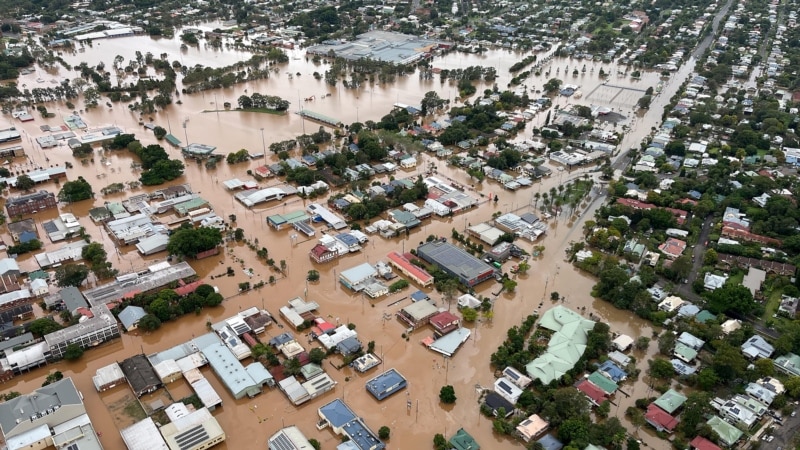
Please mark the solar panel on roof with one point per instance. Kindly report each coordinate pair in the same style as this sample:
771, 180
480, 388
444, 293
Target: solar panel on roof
191, 437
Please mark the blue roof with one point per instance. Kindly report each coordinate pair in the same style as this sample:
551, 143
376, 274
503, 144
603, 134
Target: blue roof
362, 436
613, 371
281, 339
695, 194
337, 413
386, 384
549, 442
353, 147
230, 370
347, 238
130, 315
27, 236
418, 296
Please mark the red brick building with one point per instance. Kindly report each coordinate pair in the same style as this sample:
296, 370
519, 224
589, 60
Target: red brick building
31, 203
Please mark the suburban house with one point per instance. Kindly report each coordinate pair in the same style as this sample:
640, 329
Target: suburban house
757, 347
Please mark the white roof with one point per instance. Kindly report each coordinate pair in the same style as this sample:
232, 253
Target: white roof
143, 435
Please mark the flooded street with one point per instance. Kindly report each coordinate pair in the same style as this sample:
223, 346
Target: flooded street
248, 423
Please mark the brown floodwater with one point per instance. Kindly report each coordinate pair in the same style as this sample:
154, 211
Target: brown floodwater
248, 421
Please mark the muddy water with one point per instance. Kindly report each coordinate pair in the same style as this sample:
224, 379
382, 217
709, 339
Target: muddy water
249, 421
246, 420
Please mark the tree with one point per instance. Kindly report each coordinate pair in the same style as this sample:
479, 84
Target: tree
661, 369
291, 366
447, 394
469, 314
707, 379
666, 342
316, 355
439, 442
733, 299
765, 367
509, 285
565, 403
384, 432
728, 361
149, 322
697, 405
43, 326
315, 443
71, 275
73, 352
188, 242
75, 191
710, 257
159, 132
313, 275
53, 377
604, 409
642, 343
24, 183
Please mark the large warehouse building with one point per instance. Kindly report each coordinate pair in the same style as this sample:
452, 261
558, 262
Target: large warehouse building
456, 262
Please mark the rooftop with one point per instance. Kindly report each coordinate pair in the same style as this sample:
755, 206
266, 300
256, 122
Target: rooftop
37, 406
386, 384
455, 260
566, 345
153, 277
670, 401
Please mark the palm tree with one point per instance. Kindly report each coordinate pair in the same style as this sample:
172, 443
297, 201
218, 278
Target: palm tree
536, 196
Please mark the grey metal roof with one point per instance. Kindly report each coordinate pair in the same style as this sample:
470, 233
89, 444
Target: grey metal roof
38, 404
72, 298
130, 315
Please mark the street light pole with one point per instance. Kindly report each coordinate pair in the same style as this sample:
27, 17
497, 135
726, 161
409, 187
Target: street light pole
263, 145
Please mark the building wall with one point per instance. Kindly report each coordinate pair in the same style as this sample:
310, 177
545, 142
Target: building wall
85, 341
17, 209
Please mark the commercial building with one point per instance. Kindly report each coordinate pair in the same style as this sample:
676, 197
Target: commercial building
344, 422
448, 344
197, 430
99, 326
143, 435
357, 278
378, 45
415, 273
108, 377
321, 213
67, 253
31, 203
53, 415
254, 197
456, 262
154, 277
289, 438
230, 371
140, 375
444, 322
386, 384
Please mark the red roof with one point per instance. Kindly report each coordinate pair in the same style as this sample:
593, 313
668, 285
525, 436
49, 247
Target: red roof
420, 274
319, 250
131, 294
188, 288
594, 393
444, 319
323, 325
635, 203
657, 416
701, 443
85, 312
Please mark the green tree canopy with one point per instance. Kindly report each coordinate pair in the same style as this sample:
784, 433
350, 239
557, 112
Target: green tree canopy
447, 394
71, 275
188, 242
24, 183
75, 191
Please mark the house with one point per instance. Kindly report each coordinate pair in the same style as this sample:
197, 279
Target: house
130, 316
38, 287
463, 441
691, 341
140, 375
50, 416
619, 358
712, 282
788, 305
730, 325
684, 353
660, 419
757, 347
672, 248
444, 322
753, 279
417, 314
761, 393
67, 299
612, 371
16, 229
671, 401
507, 390
499, 406
595, 395
516, 377
605, 384
532, 427
8, 266
566, 345
623, 342
670, 304
322, 254
448, 344
701, 443
108, 377
549, 442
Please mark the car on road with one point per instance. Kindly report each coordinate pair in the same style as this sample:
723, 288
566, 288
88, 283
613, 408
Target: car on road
794, 413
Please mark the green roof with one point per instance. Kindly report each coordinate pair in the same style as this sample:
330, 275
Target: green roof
173, 140
670, 401
115, 208
685, 352
566, 346
789, 363
728, 434
288, 218
38, 275
605, 384
185, 207
704, 316
463, 441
